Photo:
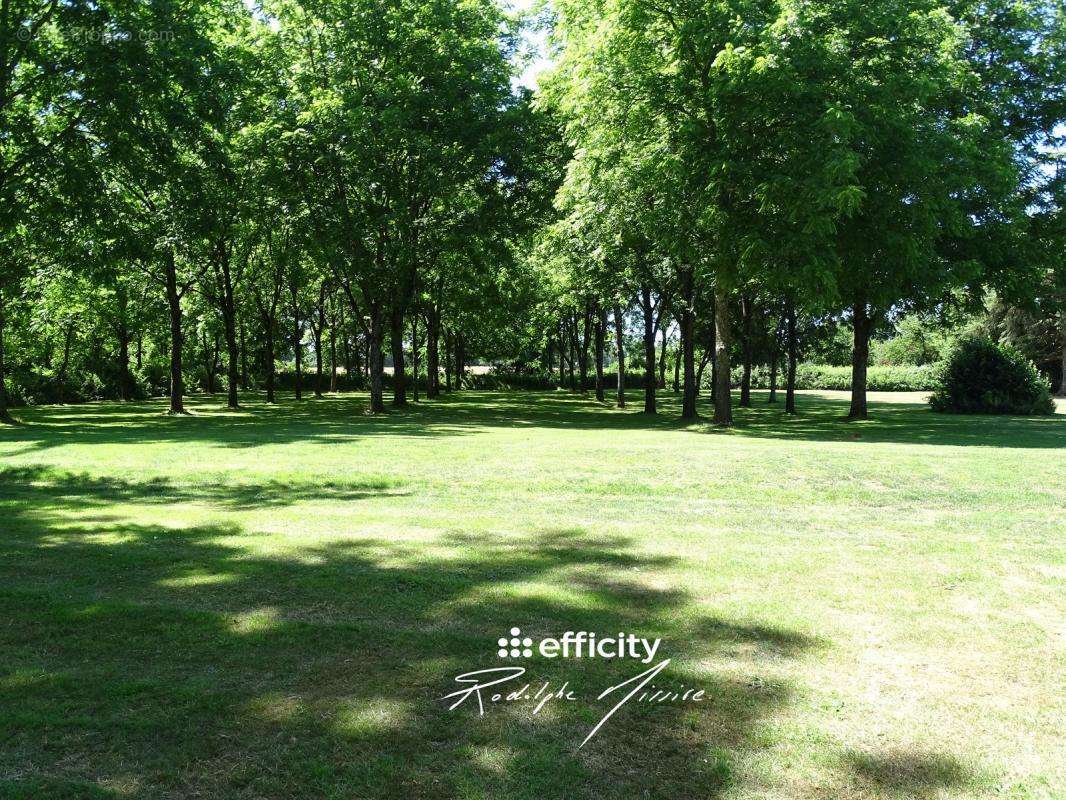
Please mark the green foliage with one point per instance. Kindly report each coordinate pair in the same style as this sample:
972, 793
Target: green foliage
29, 388
202, 181
833, 378
982, 377
919, 340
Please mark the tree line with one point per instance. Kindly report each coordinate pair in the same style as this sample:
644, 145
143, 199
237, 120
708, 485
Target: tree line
205, 188
204, 180
745, 168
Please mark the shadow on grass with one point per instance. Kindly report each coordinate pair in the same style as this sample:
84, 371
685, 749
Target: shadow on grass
906, 773
142, 660
339, 419
37, 482
820, 418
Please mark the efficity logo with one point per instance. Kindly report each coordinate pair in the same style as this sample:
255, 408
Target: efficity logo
579, 644
509, 685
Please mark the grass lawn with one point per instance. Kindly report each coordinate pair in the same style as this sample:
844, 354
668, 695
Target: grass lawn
271, 603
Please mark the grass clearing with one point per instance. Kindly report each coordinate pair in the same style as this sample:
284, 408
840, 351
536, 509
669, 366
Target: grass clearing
270, 603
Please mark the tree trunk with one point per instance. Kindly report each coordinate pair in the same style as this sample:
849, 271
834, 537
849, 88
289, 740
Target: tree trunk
5, 415
318, 328
232, 357
319, 371
216, 358
713, 327
649, 349
790, 375
460, 361
68, 339
775, 357
705, 359
332, 358
346, 346
572, 339
375, 360
124, 378
745, 345
122, 333
723, 402
244, 358
297, 342
399, 369
432, 353
688, 348
353, 357
269, 356
860, 359
229, 323
447, 361
177, 387
1062, 331
562, 363
414, 357
562, 357
209, 364
661, 383
601, 333
620, 355
677, 370
583, 355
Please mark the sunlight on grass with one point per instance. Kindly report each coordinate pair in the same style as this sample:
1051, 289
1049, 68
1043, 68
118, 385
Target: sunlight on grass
261, 620
282, 596
372, 718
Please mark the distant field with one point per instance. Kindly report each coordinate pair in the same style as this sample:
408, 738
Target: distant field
270, 603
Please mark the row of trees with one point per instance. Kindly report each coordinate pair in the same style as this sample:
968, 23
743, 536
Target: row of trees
745, 164
347, 168
198, 187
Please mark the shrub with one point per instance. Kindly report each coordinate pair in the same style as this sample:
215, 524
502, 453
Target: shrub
26, 387
982, 377
502, 380
89, 386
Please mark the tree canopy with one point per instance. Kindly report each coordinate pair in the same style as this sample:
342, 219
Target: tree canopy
205, 193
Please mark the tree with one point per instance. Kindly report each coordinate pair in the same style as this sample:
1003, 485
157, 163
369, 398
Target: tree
934, 163
382, 127
39, 118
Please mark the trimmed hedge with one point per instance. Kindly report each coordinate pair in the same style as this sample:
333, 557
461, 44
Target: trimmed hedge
821, 376
982, 377
808, 376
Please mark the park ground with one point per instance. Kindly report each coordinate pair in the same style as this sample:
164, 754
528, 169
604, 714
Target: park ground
269, 603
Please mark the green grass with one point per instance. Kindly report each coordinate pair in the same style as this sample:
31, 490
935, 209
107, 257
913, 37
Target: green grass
270, 603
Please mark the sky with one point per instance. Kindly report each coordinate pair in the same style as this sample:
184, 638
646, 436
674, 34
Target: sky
536, 43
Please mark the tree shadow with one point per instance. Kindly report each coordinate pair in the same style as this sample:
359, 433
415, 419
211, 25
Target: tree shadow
340, 419
820, 418
36, 482
148, 660
336, 419
905, 773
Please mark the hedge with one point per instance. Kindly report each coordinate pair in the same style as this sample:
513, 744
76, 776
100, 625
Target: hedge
821, 376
